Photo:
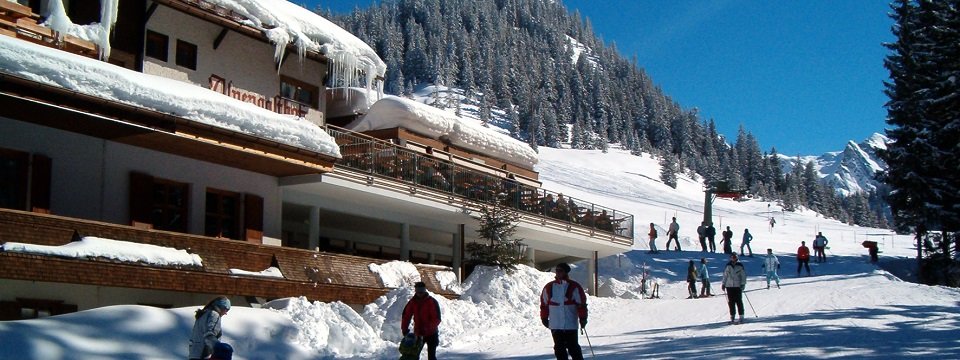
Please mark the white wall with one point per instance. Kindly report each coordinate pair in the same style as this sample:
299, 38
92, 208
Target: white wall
90, 176
247, 62
89, 296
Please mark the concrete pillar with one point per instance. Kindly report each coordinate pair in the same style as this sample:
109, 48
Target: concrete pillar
458, 252
592, 274
431, 258
529, 256
313, 236
405, 242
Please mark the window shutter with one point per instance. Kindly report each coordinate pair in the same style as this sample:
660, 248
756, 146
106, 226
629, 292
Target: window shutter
40, 180
141, 201
253, 218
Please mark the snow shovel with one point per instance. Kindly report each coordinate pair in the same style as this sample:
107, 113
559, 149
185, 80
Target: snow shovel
584, 332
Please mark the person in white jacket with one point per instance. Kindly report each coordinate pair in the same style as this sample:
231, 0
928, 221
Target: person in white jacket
206, 330
734, 281
563, 307
770, 266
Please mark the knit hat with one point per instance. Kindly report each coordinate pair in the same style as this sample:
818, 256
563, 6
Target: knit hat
419, 286
222, 303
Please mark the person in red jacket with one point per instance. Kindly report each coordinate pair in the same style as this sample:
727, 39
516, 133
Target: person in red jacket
563, 305
425, 312
803, 258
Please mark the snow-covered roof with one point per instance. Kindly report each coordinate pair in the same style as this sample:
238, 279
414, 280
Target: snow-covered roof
392, 111
90, 247
286, 23
106, 81
282, 22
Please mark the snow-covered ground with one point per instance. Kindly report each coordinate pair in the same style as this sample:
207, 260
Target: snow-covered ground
847, 308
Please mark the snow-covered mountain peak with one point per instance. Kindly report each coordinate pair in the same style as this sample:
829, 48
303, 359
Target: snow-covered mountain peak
850, 170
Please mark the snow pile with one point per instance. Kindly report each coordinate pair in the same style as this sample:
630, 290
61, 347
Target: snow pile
392, 111
102, 80
90, 247
271, 272
331, 329
448, 281
396, 274
286, 23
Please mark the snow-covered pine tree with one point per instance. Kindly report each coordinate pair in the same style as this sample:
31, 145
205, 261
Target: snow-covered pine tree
668, 170
498, 225
924, 112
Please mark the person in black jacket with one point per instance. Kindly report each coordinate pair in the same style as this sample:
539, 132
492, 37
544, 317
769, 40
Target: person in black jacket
692, 280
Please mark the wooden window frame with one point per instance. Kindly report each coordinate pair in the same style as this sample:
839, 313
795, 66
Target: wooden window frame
166, 206
300, 84
220, 215
149, 51
20, 180
186, 54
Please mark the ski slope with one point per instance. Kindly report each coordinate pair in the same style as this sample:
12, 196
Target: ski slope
848, 308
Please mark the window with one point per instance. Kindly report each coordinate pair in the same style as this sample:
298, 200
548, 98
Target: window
222, 214
13, 179
299, 91
156, 46
158, 204
186, 54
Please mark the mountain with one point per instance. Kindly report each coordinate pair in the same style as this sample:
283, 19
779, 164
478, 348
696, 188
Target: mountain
848, 171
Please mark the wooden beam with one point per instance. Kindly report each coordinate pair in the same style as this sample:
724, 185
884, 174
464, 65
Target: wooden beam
150, 11
219, 39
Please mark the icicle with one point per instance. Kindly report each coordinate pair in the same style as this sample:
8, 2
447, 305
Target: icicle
108, 19
57, 18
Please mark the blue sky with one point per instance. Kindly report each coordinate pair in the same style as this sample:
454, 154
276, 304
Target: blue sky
802, 76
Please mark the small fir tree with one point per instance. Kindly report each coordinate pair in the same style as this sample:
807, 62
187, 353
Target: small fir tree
499, 248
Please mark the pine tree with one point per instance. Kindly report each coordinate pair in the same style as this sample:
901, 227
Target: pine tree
498, 225
668, 170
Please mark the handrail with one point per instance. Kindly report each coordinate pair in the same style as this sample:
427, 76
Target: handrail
382, 158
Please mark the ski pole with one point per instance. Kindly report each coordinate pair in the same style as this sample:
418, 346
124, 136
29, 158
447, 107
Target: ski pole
751, 305
584, 332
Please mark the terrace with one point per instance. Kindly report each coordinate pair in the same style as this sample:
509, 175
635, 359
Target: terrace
476, 184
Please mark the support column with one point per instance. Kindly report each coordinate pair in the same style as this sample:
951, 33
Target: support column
592, 274
313, 235
529, 256
458, 252
405, 242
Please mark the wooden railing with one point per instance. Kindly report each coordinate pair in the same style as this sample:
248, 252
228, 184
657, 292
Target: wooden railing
387, 160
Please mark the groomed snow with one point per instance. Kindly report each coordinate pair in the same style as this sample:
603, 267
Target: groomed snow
393, 111
90, 247
99, 79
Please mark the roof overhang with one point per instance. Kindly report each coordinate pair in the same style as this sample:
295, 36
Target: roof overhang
25, 100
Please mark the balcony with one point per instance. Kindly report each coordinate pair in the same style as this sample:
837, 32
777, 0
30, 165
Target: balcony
384, 159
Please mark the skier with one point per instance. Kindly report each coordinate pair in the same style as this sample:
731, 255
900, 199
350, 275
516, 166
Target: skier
711, 234
425, 312
770, 266
727, 238
734, 281
653, 240
747, 238
702, 235
672, 234
562, 303
803, 257
772, 222
819, 247
692, 280
206, 329
704, 278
